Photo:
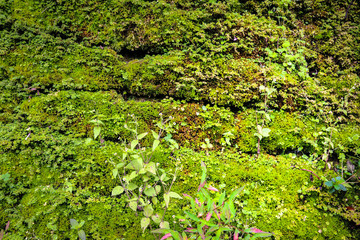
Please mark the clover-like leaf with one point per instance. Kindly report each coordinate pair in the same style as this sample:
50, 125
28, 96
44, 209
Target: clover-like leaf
265, 132
82, 235
174, 195
148, 210
117, 190
96, 131
144, 223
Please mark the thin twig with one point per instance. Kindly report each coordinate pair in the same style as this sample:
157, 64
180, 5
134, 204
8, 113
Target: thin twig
347, 10
308, 171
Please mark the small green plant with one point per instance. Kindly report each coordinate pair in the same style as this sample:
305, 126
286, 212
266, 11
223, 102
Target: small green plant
207, 145
337, 184
145, 184
77, 226
262, 131
225, 141
211, 217
97, 125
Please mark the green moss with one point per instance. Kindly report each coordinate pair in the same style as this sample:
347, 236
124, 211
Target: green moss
275, 197
65, 63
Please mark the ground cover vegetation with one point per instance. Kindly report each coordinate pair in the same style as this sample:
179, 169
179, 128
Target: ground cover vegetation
135, 119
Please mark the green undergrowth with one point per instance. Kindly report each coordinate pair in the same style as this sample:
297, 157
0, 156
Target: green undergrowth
265, 93
219, 53
71, 113
58, 171
277, 197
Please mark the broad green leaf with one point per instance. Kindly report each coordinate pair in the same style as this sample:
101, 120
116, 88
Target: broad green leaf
164, 224
163, 176
144, 223
265, 132
262, 235
141, 136
232, 208
225, 229
200, 230
213, 229
175, 235
221, 199
195, 218
148, 210
156, 218
174, 144
248, 230
136, 164
115, 172
155, 144
120, 165
133, 144
131, 186
96, 132
155, 135
74, 224
150, 192
267, 116
133, 205
132, 175
82, 235
174, 195
145, 178
258, 135
235, 193
151, 167
342, 187
157, 189
218, 234
161, 231
206, 193
192, 216
81, 224
166, 199
117, 190
329, 183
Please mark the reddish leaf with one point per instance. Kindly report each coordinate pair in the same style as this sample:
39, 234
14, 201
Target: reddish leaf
166, 236
256, 230
350, 208
236, 236
213, 189
208, 216
201, 185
